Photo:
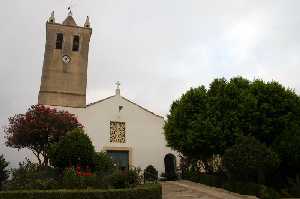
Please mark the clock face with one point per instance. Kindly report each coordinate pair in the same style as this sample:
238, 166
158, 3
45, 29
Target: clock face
66, 59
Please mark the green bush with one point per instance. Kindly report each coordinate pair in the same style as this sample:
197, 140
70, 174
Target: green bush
103, 164
294, 186
119, 179
134, 176
249, 160
268, 193
74, 149
124, 179
30, 176
144, 192
150, 174
210, 180
258, 190
71, 180
243, 188
3, 171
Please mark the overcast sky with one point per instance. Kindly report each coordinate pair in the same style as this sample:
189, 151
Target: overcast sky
157, 49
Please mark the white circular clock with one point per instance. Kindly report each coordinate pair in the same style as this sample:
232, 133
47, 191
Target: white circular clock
66, 59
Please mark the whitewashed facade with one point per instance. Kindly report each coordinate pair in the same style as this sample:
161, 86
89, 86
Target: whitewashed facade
143, 135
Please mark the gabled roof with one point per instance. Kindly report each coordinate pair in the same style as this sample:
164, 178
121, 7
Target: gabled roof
96, 102
69, 21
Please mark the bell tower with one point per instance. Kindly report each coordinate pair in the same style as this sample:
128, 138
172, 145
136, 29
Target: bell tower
64, 75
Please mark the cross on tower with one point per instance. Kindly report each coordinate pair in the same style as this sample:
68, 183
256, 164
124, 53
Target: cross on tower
118, 88
118, 84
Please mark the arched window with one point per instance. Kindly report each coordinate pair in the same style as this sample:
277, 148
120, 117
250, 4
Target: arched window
59, 40
75, 43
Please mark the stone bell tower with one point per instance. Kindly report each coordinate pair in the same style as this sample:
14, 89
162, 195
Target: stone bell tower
64, 75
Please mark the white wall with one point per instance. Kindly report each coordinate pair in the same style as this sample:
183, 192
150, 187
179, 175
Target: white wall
144, 130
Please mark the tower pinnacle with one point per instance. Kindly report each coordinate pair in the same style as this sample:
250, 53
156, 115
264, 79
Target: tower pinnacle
87, 23
51, 18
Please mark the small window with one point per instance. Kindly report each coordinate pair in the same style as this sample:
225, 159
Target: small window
76, 43
59, 40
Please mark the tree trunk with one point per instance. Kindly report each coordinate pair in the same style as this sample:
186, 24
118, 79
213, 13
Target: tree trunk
37, 155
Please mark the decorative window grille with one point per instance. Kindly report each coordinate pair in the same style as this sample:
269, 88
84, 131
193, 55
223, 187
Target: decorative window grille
117, 132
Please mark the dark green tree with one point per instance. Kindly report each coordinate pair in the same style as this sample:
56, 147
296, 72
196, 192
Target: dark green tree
74, 149
4, 173
274, 111
249, 160
179, 128
204, 123
288, 148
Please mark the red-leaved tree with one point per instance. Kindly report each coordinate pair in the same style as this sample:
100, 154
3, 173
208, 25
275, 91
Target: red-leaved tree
38, 128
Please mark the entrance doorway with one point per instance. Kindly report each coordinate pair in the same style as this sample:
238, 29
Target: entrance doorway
170, 166
120, 158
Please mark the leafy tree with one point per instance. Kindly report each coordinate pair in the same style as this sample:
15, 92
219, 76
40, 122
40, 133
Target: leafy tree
38, 128
250, 160
288, 148
3, 170
204, 123
275, 111
179, 128
74, 149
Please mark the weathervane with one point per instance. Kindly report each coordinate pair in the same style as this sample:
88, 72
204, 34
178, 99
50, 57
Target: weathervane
69, 11
70, 7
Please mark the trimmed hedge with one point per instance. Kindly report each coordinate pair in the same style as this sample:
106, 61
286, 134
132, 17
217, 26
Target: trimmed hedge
146, 192
244, 188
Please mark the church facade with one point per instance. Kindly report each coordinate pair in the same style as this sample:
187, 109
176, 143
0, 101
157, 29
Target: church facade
130, 134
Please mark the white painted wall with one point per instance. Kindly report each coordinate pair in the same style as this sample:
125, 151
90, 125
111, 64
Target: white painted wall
144, 130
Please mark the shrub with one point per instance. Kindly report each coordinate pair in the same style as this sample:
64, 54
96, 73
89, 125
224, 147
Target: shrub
258, 190
103, 164
244, 188
31, 176
119, 179
71, 180
150, 173
3, 170
210, 180
74, 149
144, 192
124, 179
268, 193
134, 176
294, 186
249, 160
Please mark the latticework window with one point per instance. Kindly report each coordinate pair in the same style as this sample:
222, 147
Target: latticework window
117, 132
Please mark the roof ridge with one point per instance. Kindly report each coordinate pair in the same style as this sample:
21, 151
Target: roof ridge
101, 100
142, 107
